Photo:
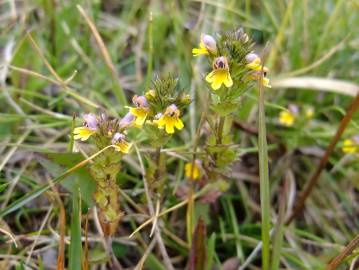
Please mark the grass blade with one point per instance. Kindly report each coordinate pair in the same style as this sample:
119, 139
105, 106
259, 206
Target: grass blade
323, 162
37, 192
278, 234
117, 89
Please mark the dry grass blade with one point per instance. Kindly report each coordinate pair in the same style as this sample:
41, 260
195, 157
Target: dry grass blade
154, 215
99, 40
315, 178
10, 236
142, 261
10, 153
164, 212
39, 233
346, 252
106, 56
57, 77
322, 84
62, 225
320, 61
85, 261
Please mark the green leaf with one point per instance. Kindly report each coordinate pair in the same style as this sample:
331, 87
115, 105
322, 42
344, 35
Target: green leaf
3, 186
225, 108
158, 137
56, 163
119, 250
38, 191
20, 266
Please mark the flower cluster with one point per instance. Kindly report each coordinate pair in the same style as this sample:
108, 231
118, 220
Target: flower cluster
104, 131
351, 145
158, 112
193, 171
290, 116
232, 60
105, 166
160, 108
235, 70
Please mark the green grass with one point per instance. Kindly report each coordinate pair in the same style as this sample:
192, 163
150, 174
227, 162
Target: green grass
142, 39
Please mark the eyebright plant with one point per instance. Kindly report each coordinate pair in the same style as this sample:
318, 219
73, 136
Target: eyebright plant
235, 69
106, 166
158, 113
165, 105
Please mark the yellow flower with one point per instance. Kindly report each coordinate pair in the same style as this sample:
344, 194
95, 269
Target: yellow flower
265, 82
255, 65
192, 172
257, 77
120, 143
90, 127
170, 119
83, 133
141, 110
286, 118
126, 121
140, 113
220, 74
200, 51
309, 112
123, 147
206, 46
350, 146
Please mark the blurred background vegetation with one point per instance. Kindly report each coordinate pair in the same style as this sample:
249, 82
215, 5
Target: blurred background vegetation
53, 67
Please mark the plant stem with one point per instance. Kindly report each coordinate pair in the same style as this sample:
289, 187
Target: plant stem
220, 130
264, 179
158, 174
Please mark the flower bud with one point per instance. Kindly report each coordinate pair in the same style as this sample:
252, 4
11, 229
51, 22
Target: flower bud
309, 112
150, 94
293, 109
158, 116
185, 100
140, 101
241, 35
220, 63
171, 109
209, 43
127, 120
117, 138
90, 121
251, 57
